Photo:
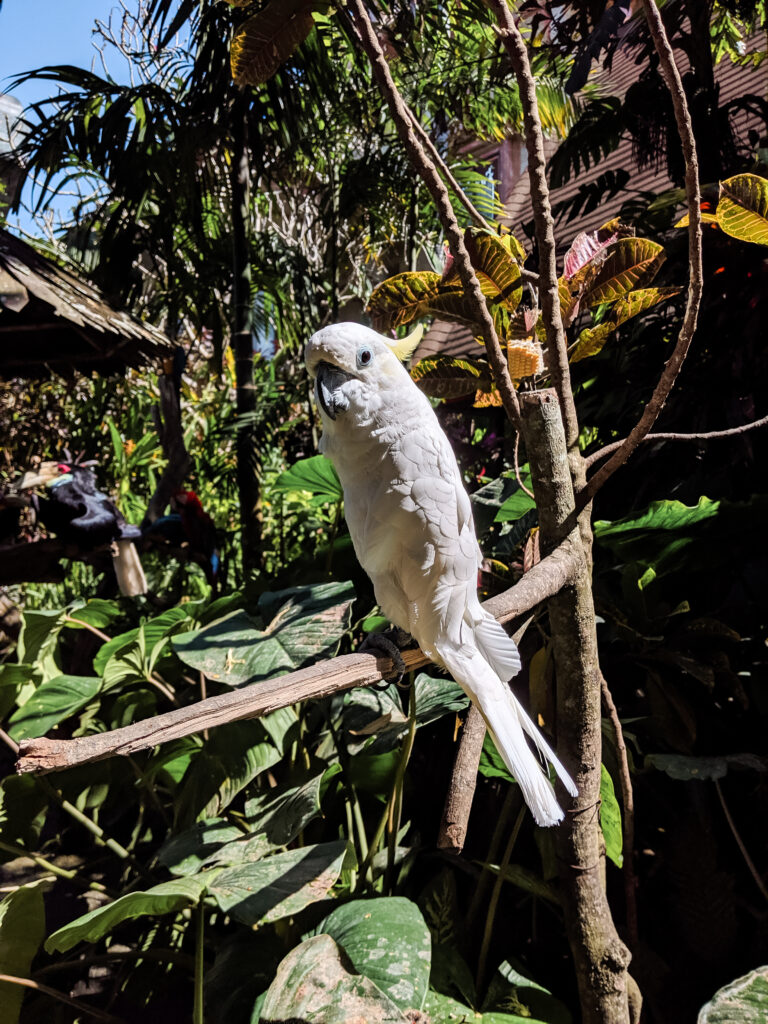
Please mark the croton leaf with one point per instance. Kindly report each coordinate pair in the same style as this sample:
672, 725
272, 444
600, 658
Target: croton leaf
446, 377
402, 298
493, 260
584, 248
639, 300
629, 261
267, 39
591, 340
743, 208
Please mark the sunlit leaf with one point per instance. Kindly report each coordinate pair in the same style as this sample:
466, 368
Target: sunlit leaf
268, 38
628, 261
402, 298
744, 1001
315, 475
446, 377
743, 208
591, 340
639, 300
610, 818
51, 703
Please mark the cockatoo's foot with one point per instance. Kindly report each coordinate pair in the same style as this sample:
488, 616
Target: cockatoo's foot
388, 643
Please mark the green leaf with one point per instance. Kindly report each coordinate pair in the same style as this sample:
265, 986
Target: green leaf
307, 622
23, 804
166, 898
388, 942
316, 983
627, 263
518, 503
491, 764
445, 1010
22, 928
511, 987
683, 768
282, 813
743, 208
267, 39
525, 879
610, 818
447, 377
315, 475
51, 703
95, 612
38, 641
278, 886
591, 341
640, 300
402, 298
744, 1001
186, 853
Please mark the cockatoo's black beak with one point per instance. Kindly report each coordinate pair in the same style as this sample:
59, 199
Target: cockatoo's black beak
328, 389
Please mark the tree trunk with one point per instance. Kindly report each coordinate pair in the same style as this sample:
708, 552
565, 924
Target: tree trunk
600, 957
242, 345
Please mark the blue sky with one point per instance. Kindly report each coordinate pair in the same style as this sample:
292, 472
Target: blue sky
36, 33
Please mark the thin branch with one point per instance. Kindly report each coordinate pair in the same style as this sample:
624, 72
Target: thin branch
42, 755
557, 349
740, 842
81, 1007
696, 273
707, 435
427, 171
628, 817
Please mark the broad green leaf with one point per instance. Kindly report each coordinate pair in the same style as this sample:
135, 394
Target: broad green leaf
233, 756
22, 929
388, 942
51, 703
492, 258
38, 641
95, 612
628, 261
639, 300
445, 1010
149, 634
267, 39
518, 503
610, 818
282, 813
23, 804
402, 298
307, 622
315, 982
186, 853
591, 341
512, 987
315, 475
166, 898
447, 377
744, 1001
280, 885
743, 208
491, 764
683, 768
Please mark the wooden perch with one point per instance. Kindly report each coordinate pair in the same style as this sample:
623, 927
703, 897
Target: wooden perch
41, 755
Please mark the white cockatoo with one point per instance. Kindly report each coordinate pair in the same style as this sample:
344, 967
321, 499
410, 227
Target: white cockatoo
410, 519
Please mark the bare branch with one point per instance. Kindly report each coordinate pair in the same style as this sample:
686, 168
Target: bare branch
696, 274
707, 435
557, 349
427, 171
45, 755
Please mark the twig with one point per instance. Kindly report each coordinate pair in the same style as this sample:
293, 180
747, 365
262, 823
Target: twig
426, 169
520, 483
62, 998
557, 350
707, 435
55, 869
696, 274
744, 852
628, 817
42, 755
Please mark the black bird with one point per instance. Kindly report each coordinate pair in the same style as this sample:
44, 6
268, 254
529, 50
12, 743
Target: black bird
77, 513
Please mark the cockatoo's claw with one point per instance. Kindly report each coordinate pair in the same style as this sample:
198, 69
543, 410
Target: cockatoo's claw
386, 643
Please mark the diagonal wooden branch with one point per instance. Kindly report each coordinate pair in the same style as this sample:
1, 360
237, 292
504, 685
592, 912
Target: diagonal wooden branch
453, 233
696, 273
46, 755
549, 294
707, 435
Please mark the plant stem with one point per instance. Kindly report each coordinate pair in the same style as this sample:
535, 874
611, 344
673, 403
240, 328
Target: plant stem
740, 842
197, 1012
395, 809
47, 865
62, 998
494, 904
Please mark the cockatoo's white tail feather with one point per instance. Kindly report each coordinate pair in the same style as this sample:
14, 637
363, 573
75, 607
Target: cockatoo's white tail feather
497, 648
507, 723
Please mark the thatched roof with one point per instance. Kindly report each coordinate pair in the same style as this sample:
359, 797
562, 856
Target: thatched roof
53, 321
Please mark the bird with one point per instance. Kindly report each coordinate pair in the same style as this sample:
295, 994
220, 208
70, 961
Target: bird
410, 519
188, 524
77, 513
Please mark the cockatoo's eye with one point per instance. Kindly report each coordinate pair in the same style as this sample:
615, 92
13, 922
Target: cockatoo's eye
364, 356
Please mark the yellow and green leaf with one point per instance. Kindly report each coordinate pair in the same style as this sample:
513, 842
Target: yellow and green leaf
639, 301
591, 340
267, 39
743, 208
629, 261
446, 377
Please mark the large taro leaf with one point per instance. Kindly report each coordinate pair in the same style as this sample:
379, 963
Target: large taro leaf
305, 623
268, 38
233, 756
314, 475
743, 208
402, 298
447, 377
166, 898
744, 1001
629, 261
316, 982
610, 818
281, 813
51, 703
388, 942
187, 852
22, 928
278, 886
